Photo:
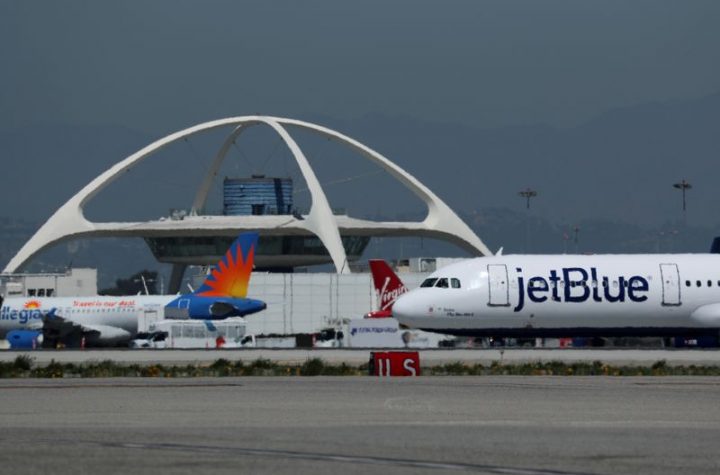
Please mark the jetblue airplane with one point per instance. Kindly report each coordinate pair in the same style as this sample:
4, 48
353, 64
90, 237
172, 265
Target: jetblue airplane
106, 321
569, 296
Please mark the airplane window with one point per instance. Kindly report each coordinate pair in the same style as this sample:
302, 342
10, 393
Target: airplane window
709, 283
442, 283
31, 292
49, 292
429, 282
455, 283
698, 283
687, 283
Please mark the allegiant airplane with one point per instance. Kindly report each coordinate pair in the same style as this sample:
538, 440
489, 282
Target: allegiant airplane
105, 321
570, 296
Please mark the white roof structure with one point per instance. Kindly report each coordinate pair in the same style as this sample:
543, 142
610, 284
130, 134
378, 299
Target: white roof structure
69, 221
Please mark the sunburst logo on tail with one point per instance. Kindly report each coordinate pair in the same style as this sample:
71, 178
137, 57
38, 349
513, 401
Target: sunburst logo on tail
231, 276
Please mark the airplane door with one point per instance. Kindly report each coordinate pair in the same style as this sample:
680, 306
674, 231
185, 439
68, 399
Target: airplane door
498, 285
150, 316
670, 284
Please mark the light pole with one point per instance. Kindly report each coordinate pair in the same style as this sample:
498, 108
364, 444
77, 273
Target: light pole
527, 193
683, 186
576, 230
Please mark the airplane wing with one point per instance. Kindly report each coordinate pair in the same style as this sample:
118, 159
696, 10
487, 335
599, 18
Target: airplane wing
57, 329
221, 308
707, 315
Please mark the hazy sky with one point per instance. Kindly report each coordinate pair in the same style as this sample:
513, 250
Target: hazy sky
161, 65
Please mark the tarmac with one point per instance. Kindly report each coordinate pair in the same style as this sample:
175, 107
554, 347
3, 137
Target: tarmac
633, 357
324, 425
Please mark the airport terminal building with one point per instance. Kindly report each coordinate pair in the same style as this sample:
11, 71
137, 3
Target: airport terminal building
297, 302
288, 238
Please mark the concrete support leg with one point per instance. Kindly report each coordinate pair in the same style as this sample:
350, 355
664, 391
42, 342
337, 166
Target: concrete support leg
176, 278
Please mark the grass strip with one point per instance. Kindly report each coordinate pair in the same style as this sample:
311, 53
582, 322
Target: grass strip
24, 367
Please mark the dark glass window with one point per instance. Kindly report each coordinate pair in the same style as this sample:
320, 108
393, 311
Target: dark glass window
687, 283
429, 282
442, 283
455, 283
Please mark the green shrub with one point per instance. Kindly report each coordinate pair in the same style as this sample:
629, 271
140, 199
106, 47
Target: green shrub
23, 362
312, 367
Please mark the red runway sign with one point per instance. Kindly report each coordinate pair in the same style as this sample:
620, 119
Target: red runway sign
395, 363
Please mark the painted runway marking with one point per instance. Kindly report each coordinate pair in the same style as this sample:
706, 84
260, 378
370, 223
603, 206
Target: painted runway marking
322, 457
157, 384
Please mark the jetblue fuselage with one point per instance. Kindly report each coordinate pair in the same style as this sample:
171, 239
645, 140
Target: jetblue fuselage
569, 295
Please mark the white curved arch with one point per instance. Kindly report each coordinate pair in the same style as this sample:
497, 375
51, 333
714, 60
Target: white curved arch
206, 185
438, 212
320, 218
69, 221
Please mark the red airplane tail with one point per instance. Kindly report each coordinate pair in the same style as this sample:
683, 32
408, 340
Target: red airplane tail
388, 285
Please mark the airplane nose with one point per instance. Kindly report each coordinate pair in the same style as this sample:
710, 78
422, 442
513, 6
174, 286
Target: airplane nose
401, 308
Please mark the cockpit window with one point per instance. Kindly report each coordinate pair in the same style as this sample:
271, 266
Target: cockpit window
429, 282
442, 283
455, 283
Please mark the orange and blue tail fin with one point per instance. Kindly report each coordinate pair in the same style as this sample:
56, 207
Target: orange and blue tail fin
230, 277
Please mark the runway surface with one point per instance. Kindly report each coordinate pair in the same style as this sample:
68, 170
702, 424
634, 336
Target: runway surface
637, 357
494, 425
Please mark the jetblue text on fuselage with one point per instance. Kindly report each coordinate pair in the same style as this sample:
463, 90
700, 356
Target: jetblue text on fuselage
579, 285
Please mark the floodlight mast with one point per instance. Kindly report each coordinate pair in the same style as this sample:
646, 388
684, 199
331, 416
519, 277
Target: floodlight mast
683, 186
527, 194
